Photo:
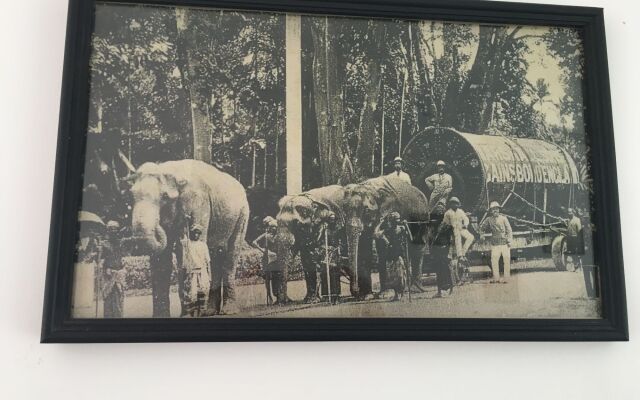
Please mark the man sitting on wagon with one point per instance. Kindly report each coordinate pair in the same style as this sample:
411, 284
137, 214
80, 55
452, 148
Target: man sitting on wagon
398, 173
440, 184
458, 219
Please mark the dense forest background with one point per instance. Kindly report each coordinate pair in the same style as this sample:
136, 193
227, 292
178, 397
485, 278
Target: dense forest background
173, 83
371, 85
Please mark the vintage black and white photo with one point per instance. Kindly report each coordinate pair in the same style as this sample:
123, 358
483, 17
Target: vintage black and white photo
262, 164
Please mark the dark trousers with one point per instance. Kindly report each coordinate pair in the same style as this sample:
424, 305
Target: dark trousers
114, 303
440, 259
334, 281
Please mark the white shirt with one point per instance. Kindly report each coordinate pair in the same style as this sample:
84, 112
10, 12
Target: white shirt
457, 219
196, 255
403, 176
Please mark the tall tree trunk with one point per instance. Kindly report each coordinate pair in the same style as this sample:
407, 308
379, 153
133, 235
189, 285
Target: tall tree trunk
450, 101
414, 82
366, 130
185, 44
429, 110
327, 99
480, 91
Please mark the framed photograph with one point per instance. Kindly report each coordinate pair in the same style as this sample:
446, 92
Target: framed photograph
234, 170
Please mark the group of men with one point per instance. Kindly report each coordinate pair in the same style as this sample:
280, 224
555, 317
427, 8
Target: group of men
453, 239
448, 245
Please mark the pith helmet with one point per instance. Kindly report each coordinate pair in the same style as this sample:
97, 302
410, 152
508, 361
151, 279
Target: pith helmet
394, 215
268, 220
113, 225
441, 163
398, 159
454, 200
494, 204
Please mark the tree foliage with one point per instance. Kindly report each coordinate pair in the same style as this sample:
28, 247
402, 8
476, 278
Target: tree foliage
392, 79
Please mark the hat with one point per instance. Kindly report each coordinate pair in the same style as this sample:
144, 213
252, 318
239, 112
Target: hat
113, 225
268, 220
494, 204
196, 228
398, 159
394, 215
440, 162
454, 200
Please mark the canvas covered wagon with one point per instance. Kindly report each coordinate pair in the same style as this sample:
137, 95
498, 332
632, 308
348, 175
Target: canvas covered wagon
535, 182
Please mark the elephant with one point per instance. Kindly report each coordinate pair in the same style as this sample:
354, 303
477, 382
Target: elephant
172, 196
298, 219
365, 204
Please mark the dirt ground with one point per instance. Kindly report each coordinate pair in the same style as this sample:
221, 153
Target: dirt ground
536, 290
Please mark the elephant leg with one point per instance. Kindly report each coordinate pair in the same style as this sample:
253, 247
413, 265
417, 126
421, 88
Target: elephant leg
275, 284
161, 267
382, 265
269, 286
416, 254
229, 292
214, 301
365, 261
310, 276
280, 286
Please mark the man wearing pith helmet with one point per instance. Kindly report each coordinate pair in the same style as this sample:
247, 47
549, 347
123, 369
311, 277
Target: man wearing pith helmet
501, 238
440, 184
457, 218
398, 173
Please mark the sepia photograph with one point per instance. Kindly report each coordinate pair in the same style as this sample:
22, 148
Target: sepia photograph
257, 164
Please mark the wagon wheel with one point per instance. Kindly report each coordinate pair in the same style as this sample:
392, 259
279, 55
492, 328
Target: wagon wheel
559, 252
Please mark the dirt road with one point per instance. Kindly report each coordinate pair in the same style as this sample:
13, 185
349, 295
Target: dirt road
535, 291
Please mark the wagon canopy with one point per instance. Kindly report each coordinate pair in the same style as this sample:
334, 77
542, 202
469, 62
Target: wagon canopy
524, 174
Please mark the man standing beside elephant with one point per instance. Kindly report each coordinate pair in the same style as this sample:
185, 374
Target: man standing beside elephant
114, 278
299, 222
329, 256
365, 204
270, 268
394, 237
194, 276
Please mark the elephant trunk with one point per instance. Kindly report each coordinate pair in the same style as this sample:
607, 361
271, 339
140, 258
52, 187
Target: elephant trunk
146, 226
354, 228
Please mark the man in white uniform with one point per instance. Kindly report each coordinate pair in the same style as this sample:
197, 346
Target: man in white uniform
501, 238
398, 165
457, 218
440, 184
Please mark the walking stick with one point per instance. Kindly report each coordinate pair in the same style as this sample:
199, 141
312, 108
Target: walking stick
408, 268
326, 261
267, 274
405, 236
98, 290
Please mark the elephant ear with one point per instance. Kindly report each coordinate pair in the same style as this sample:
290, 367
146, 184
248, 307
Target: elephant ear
172, 185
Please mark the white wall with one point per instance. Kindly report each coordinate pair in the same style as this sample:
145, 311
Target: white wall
31, 51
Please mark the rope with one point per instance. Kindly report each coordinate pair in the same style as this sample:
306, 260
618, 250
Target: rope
537, 208
524, 221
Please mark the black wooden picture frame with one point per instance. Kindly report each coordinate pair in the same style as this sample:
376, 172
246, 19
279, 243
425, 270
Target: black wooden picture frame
58, 326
